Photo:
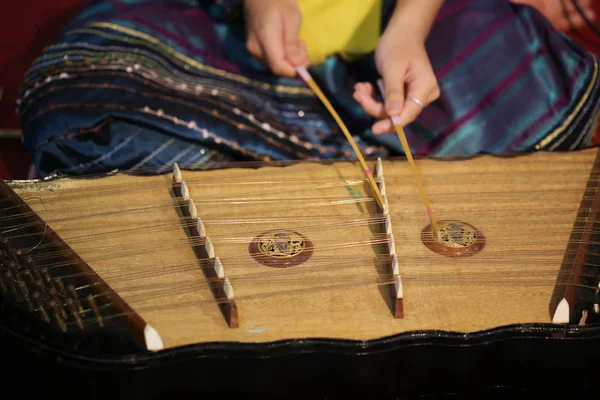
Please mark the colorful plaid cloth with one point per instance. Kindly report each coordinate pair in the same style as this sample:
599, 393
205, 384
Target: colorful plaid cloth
140, 83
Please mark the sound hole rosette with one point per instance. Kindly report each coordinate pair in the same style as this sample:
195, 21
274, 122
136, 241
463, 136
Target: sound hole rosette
281, 248
458, 239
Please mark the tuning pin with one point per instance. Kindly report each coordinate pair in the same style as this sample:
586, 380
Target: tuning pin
28, 261
73, 293
28, 274
10, 284
60, 322
25, 292
4, 245
39, 283
13, 267
38, 301
19, 256
73, 309
54, 296
94, 307
30, 264
60, 287
46, 276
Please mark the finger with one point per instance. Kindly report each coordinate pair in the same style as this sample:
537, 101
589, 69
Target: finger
393, 78
364, 89
364, 94
574, 20
383, 126
297, 55
574, 17
568, 6
302, 60
434, 95
585, 5
254, 48
590, 14
272, 42
410, 112
411, 108
361, 87
295, 49
274, 55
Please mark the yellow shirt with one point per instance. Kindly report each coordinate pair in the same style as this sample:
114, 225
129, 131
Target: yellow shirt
350, 28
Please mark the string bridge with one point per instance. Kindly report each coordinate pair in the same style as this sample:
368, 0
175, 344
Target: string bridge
389, 247
210, 264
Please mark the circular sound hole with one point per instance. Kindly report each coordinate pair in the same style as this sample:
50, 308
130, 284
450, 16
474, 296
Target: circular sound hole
456, 239
281, 248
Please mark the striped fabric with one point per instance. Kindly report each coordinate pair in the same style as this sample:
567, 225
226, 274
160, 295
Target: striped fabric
139, 83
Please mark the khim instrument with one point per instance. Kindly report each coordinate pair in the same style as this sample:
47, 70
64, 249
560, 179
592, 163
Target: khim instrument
283, 271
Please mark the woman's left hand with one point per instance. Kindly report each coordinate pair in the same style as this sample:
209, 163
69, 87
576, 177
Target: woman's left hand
404, 65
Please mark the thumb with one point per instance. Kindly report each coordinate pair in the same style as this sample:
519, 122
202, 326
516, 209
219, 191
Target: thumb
394, 89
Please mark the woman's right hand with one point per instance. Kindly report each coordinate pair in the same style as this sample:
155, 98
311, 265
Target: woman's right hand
273, 34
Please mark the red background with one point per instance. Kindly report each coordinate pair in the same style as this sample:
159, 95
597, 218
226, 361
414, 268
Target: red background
28, 26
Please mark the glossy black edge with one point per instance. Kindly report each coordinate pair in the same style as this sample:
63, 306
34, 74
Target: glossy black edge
268, 350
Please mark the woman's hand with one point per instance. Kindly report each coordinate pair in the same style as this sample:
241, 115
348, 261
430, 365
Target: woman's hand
404, 65
273, 34
402, 61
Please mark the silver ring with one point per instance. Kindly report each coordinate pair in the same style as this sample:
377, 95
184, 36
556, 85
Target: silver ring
419, 102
